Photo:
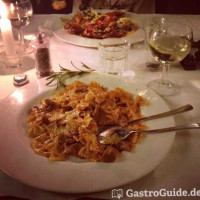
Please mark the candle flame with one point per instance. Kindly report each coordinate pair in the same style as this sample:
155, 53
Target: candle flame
3, 10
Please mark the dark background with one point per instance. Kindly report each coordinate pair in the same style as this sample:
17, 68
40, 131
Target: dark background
178, 6
161, 6
45, 7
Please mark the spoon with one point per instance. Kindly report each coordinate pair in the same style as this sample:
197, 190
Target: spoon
106, 132
123, 132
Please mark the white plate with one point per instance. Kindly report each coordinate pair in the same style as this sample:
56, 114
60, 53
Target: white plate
75, 176
61, 34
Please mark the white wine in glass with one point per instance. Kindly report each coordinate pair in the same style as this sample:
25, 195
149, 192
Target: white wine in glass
168, 42
169, 48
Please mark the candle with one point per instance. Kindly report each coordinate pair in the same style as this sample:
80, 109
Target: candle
6, 31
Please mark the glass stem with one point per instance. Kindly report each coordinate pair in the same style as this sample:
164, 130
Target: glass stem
21, 36
165, 72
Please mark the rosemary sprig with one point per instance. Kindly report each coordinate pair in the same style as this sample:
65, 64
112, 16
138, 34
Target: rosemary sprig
64, 72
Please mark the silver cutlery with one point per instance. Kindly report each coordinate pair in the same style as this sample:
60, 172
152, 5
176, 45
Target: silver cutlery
124, 132
164, 114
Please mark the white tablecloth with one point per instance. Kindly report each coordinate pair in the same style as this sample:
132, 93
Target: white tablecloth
181, 167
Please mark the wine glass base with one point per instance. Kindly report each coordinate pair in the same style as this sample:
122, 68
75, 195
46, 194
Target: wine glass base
27, 48
164, 88
12, 61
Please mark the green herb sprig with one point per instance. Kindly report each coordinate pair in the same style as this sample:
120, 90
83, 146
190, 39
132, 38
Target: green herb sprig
58, 76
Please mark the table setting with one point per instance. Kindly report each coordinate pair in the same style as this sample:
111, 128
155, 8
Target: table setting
65, 83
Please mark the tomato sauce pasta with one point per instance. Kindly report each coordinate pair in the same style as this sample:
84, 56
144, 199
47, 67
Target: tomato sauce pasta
68, 123
95, 25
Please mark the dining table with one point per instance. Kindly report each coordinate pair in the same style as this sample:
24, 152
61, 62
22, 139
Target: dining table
180, 169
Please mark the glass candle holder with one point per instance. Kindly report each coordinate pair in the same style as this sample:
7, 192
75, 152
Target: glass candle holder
15, 60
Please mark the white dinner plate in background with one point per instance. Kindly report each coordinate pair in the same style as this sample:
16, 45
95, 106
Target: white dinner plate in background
61, 34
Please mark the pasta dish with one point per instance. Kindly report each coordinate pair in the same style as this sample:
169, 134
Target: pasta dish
91, 24
68, 123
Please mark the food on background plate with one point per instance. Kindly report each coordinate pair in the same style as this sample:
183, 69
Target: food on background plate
68, 124
92, 24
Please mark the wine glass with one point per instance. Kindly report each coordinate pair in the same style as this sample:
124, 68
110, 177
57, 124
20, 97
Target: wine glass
20, 12
169, 42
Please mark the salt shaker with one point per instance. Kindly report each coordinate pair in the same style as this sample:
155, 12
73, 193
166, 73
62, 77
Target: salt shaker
42, 55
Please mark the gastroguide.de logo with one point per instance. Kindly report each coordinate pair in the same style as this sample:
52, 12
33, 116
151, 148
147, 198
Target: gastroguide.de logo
175, 192
117, 193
